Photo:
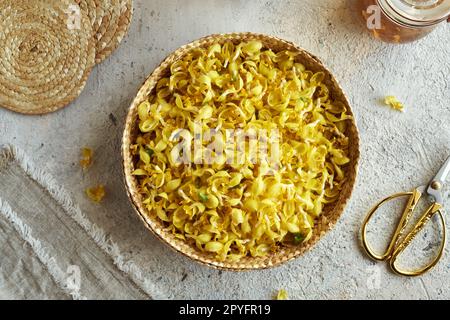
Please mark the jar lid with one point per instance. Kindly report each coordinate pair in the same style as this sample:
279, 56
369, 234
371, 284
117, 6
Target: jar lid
420, 13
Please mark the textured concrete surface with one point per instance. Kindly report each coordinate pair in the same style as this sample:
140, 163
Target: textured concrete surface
399, 150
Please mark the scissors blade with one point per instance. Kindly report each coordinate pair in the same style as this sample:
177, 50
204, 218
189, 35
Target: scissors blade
443, 172
434, 189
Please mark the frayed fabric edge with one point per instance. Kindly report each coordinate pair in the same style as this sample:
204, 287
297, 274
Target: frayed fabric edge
58, 275
9, 153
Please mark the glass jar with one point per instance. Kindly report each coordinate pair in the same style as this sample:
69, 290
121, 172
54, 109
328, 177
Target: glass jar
402, 21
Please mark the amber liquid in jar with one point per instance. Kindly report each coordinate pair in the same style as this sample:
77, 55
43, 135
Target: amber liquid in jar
388, 30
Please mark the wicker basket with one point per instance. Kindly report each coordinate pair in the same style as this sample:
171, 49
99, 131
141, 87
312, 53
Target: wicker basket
330, 214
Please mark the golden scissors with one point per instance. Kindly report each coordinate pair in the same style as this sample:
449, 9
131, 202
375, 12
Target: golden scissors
397, 245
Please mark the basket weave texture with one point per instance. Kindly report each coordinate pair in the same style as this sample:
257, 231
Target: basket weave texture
49, 47
113, 18
44, 64
330, 214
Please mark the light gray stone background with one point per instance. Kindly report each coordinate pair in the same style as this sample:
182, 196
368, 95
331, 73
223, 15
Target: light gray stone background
399, 150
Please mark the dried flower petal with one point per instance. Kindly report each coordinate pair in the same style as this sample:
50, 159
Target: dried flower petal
282, 295
86, 158
394, 103
97, 193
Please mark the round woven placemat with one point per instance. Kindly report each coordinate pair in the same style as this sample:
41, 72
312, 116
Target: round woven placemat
112, 22
46, 54
330, 214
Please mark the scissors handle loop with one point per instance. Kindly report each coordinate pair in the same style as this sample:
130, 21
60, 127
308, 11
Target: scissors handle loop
434, 209
414, 197
397, 246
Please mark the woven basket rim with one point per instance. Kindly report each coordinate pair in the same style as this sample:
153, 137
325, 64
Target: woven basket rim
326, 221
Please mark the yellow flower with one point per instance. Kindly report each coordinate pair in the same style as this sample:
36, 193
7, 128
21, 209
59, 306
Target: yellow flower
96, 193
86, 160
251, 204
282, 295
394, 103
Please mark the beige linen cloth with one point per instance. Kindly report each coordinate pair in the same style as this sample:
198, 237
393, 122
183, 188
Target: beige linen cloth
46, 242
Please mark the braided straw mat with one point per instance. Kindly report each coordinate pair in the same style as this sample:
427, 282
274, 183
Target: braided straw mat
110, 20
45, 56
330, 214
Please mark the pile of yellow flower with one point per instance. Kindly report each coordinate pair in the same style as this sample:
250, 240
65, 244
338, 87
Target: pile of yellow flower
239, 208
